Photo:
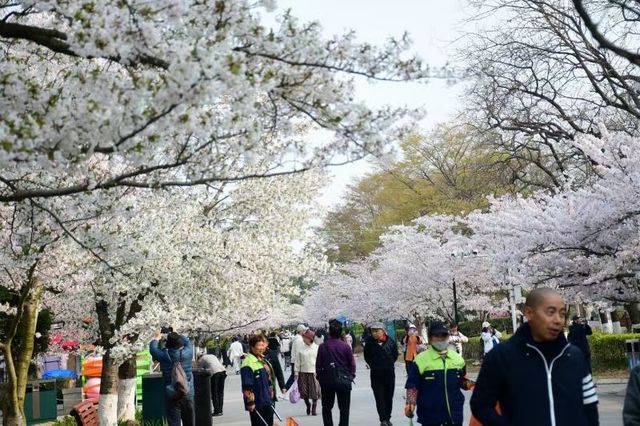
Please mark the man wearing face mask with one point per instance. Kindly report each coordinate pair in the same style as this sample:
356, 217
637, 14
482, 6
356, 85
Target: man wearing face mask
435, 380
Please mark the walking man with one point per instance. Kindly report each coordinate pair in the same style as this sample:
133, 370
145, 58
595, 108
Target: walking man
285, 348
537, 376
578, 332
380, 353
236, 352
435, 380
212, 364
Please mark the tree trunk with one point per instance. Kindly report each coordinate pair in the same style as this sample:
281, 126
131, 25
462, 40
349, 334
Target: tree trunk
605, 318
18, 369
12, 411
127, 390
634, 312
615, 322
26, 332
108, 408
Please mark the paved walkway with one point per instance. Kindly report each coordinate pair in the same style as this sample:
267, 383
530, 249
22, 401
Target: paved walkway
363, 409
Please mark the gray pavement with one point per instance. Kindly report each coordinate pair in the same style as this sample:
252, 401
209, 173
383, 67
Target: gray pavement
363, 409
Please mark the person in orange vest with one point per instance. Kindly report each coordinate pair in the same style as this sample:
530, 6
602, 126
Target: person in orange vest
410, 343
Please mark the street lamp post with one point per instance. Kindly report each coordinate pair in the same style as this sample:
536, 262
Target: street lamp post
461, 255
455, 302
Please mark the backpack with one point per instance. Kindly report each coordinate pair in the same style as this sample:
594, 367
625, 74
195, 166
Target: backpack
179, 386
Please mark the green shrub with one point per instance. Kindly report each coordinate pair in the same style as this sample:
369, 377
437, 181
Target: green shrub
65, 421
608, 351
474, 348
474, 327
357, 329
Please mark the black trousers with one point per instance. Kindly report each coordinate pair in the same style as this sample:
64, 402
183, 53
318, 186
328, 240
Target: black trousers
266, 413
292, 378
217, 391
383, 383
328, 400
180, 412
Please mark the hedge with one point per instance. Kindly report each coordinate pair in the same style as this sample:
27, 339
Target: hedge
608, 351
474, 327
473, 349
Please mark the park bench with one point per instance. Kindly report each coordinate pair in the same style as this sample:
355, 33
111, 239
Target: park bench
86, 413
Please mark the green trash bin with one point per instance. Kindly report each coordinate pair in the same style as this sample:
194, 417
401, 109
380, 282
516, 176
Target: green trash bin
153, 397
40, 403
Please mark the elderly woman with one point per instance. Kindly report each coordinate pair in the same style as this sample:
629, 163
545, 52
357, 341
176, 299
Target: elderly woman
305, 366
258, 383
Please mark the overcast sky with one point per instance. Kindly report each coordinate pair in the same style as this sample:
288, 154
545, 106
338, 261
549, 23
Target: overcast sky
432, 25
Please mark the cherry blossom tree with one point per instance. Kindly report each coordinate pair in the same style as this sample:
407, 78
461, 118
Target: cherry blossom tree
583, 240
29, 259
103, 100
410, 276
168, 90
196, 261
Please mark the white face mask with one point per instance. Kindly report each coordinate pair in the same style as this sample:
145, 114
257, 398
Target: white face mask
441, 345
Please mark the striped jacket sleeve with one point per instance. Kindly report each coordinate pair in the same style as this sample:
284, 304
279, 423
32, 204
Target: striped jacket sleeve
589, 394
590, 400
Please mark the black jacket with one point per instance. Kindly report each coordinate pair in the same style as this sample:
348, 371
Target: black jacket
578, 336
515, 374
381, 356
271, 355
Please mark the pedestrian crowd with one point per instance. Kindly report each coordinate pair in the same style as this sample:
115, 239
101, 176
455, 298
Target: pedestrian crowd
537, 377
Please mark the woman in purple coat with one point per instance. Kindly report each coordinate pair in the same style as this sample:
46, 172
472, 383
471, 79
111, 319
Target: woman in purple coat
334, 350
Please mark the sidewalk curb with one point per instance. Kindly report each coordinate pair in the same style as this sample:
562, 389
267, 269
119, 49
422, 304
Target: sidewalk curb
610, 381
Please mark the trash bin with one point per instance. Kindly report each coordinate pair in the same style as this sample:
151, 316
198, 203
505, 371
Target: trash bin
153, 397
40, 403
633, 352
202, 401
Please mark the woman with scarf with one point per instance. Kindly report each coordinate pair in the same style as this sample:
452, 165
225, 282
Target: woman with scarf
258, 383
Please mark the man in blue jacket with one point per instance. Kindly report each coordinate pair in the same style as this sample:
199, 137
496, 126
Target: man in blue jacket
435, 382
177, 349
537, 376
